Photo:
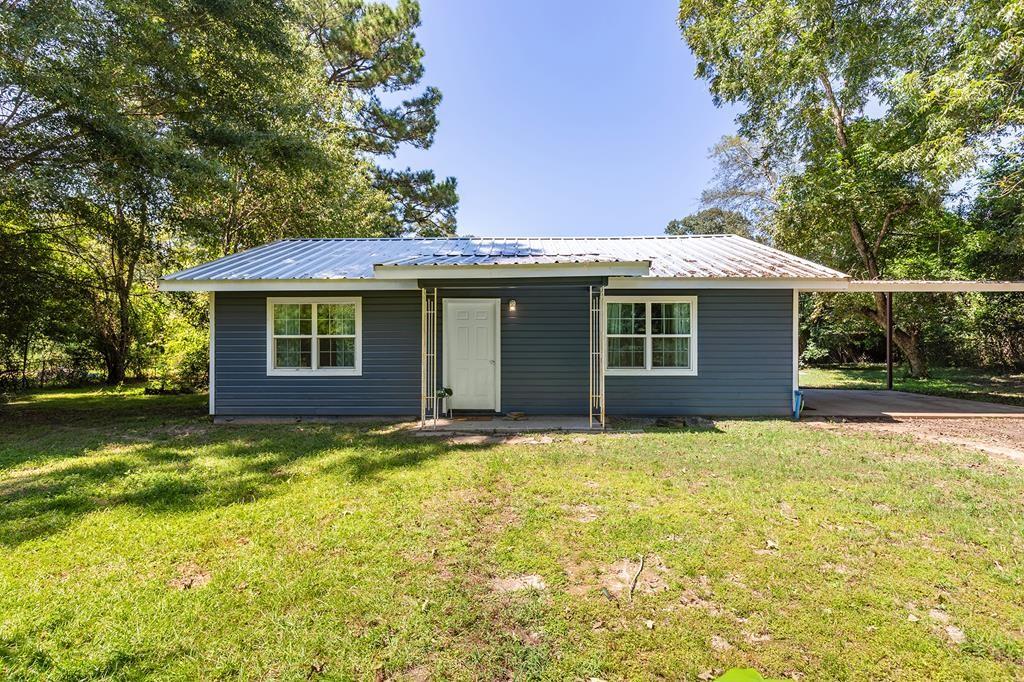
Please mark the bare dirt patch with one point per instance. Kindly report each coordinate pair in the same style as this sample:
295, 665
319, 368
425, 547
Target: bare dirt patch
584, 513
699, 597
614, 580
516, 583
1003, 437
190, 577
529, 440
419, 673
472, 439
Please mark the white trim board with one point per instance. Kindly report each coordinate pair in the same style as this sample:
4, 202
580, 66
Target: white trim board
212, 391
591, 269
286, 285
796, 347
670, 283
445, 360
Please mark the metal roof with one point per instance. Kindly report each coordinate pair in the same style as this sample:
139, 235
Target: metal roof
711, 256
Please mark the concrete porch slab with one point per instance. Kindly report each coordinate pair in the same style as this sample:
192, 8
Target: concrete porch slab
834, 402
505, 425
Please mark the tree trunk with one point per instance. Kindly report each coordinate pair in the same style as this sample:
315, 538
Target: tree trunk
915, 358
115, 365
24, 364
909, 342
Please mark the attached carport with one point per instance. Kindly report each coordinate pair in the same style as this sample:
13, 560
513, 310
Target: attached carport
889, 403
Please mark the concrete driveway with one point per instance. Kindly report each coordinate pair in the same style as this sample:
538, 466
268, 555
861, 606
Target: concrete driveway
829, 402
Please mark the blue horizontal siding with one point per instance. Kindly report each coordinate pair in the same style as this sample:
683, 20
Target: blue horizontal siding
389, 385
744, 356
544, 343
744, 360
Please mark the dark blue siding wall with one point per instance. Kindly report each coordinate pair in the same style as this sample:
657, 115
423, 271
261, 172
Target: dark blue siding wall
543, 344
389, 385
744, 356
744, 359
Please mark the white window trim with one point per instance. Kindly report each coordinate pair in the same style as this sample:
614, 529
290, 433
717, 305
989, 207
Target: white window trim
648, 369
314, 346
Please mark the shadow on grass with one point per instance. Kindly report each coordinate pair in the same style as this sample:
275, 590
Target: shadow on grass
54, 479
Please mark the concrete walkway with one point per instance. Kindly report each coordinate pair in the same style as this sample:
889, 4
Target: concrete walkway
834, 402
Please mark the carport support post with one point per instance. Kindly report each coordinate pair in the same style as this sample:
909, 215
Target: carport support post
888, 341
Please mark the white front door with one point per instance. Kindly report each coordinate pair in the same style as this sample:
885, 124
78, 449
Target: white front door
471, 343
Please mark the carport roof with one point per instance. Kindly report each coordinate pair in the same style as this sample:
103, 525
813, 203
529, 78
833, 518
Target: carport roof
931, 285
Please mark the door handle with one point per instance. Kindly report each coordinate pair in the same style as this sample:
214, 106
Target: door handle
494, 362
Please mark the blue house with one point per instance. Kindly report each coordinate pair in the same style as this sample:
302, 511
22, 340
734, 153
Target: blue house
698, 325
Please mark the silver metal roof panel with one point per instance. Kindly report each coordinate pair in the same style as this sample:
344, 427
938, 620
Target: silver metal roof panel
712, 256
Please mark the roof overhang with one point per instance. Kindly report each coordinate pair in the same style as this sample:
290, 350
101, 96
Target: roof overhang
287, 285
621, 275
489, 271
809, 283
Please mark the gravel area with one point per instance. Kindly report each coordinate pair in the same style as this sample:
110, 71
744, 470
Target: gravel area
1002, 436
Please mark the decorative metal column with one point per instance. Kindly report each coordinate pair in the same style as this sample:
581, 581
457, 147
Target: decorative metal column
888, 341
595, 298
428, 359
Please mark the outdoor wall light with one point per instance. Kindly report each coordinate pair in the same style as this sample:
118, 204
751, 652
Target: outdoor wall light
512, 305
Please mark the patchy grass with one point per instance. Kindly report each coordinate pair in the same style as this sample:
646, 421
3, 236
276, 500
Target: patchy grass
143, 541
952, 382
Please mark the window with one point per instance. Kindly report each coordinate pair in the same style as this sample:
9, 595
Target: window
651, 335
314, 335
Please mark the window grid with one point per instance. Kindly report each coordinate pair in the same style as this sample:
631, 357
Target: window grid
632, 319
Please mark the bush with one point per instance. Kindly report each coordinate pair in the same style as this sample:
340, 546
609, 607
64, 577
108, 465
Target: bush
184, 363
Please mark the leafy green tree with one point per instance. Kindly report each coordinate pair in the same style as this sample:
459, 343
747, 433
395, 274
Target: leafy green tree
746, 180
994, 249
112, 106
142, 134
370, 53
356, 55
40, 302
818, 86
970, 86
712, 221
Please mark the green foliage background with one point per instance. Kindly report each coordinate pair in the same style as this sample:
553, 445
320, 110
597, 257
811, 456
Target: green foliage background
139, 137
882, 139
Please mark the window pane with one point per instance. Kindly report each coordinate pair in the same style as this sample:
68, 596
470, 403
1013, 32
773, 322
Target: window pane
293, 352
670, 352
626, 318
293, 318
670, 318
337, 352
625, 352
335, 318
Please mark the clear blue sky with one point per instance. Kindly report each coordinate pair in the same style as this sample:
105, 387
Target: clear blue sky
566, 117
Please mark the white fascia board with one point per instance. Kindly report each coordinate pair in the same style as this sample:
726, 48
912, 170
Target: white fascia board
287, 285
801, 283
953, 286
413, 272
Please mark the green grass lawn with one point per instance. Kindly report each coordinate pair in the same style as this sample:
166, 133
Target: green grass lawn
140, 540
971, 384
